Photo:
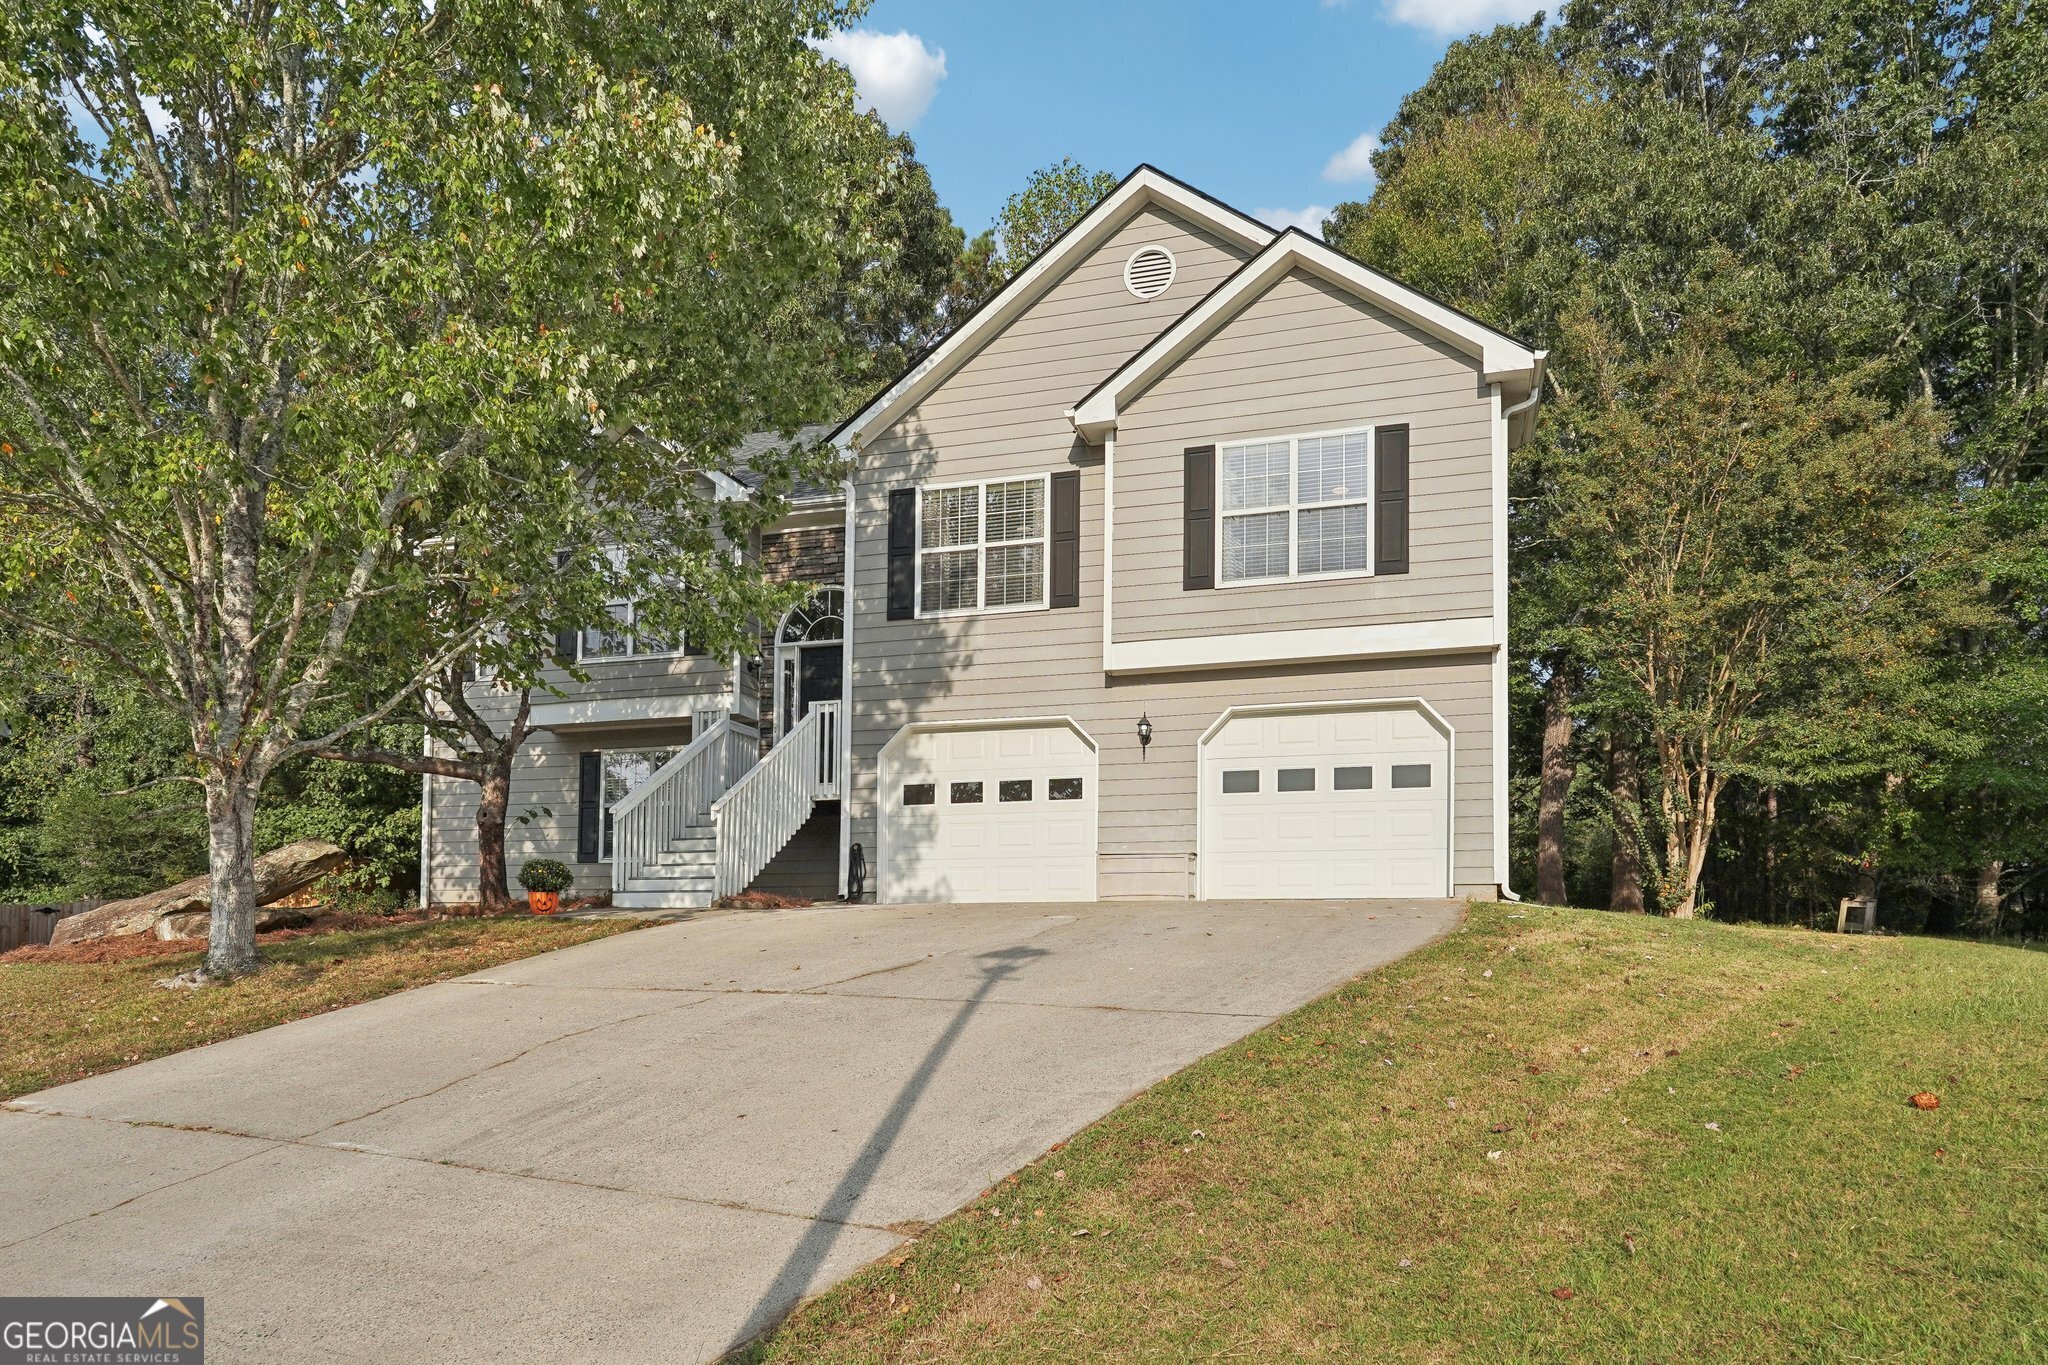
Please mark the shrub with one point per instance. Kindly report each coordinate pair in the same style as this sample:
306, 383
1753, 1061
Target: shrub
545, 874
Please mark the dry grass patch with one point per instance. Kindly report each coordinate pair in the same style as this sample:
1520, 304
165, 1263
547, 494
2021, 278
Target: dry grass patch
1555, 1135
62, 1020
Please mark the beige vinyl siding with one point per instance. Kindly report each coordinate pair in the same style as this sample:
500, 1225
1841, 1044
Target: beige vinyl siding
1307, 357
545, 787
1004, 414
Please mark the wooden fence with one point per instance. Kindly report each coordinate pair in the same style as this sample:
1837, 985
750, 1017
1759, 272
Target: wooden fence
20, 924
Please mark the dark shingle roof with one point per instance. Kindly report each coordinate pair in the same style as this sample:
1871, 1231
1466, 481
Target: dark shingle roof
761, 442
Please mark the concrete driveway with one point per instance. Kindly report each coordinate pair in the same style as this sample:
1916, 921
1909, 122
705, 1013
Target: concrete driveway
643, 1148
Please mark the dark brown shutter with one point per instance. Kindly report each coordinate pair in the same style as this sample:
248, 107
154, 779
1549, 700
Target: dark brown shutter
1390, 499
1198, 518
589, 805
565, 640
1066, 538
902, 554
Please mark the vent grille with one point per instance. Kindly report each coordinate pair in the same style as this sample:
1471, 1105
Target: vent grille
1149, 272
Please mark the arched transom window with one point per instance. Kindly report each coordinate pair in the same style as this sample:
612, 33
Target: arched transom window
817, 621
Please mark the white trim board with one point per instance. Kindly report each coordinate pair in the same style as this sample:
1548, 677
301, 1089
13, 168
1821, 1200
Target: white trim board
557, 715
1142, 188
1502, 359
1393, 640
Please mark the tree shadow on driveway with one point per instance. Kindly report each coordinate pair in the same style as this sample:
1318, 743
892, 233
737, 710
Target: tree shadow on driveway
787, 1287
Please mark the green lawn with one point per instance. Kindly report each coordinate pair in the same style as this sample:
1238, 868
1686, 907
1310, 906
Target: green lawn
63, 1020
1705, 1152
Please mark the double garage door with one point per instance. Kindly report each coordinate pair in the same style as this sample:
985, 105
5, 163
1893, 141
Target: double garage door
1318, 803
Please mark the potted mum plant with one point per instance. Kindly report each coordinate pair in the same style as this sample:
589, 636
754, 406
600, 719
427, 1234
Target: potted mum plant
545, 880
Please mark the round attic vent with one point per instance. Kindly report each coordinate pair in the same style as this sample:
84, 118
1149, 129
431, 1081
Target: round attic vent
1149, 272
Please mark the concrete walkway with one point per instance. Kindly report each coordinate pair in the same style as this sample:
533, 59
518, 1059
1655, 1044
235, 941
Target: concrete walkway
644, 1148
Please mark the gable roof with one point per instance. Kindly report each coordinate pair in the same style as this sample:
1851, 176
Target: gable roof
1502, 359
1143, 187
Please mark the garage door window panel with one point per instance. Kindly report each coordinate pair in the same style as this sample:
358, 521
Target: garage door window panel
1063, 789
981, 547
1296, 507
965, 794
1411, 775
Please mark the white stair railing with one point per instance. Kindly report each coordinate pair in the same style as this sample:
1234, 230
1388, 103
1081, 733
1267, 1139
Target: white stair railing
646, 818
769, 803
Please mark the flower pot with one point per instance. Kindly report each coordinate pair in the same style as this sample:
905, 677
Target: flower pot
543, 902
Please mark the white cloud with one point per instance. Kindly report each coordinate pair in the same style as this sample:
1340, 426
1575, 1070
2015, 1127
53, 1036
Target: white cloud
895, 73
1455, 18
1354, 162
1309, 220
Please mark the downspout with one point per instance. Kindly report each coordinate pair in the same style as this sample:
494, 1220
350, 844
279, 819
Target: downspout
427, 828
847, 614
1508, 415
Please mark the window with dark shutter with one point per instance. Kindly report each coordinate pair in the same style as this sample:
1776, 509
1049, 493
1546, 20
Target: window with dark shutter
589, 806
565, 640
1066, 539
1390, 499
1198, 518
902, 554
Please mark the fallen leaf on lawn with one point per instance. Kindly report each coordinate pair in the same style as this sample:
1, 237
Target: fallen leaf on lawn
1501, 1128
1405, 1263
1487, 973
1226, 1262
1713, 1127
1079, 1232
1033, 1283
1925, 1100
1059, 1175
1493, 1156
1562, 1292
1629, 1242
1792, 1071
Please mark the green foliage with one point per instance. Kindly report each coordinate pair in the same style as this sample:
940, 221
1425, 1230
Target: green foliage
1052, 200
85, 805
317, 320
1837, 212
372, 812
546, 874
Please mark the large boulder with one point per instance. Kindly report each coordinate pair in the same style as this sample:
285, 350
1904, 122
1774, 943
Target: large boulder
182, 911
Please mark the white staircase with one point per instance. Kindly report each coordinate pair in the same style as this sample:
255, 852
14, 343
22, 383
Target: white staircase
711, 818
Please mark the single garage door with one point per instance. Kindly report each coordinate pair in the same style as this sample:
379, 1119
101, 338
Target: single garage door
1337, 802
1000, 812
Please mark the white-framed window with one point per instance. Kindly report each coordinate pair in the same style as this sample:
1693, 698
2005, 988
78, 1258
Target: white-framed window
625, 769
1295, 507
982, 547
619, 636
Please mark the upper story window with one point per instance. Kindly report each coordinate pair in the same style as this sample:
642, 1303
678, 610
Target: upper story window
1295, 507
619, 636
982, 546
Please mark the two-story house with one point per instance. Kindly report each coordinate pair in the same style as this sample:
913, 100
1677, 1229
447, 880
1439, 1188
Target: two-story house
1177, 569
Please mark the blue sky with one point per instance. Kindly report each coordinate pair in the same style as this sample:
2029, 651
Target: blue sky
1267, 104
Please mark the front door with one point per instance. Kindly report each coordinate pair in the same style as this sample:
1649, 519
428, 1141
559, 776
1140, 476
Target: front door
820, 673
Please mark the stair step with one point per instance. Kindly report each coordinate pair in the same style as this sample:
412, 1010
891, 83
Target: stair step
693, 843
660, 900
696, 881
689, 862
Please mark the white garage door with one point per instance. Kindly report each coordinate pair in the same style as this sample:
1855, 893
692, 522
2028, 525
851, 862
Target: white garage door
995, 813
1326, 803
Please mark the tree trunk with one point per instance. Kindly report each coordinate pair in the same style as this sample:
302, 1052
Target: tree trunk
231, 859
1625, 872
1989, 902
494, 798
1555, 787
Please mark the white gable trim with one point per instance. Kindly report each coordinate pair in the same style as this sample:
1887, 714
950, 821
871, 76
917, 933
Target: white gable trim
1142, 188
1502, 359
